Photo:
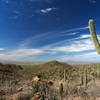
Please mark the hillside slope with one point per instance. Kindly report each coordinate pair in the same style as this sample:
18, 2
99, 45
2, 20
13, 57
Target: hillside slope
47, 70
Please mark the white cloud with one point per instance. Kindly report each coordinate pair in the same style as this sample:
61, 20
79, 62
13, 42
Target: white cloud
47, 10
2, 49
76, 46
27, 52
22, 54
72, 40
85, 36
86, 57
19, 54
79, 44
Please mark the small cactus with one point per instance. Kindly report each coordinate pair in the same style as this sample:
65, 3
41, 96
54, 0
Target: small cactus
97, 71
61, 90
64, 75
81, 78
85, 78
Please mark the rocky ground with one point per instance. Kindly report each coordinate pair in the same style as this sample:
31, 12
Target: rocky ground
43, 91
60, 82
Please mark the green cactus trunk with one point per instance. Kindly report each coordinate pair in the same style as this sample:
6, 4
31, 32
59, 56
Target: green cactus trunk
61, 90
98, 71
64, 75
94, 36
81, 77
85, 77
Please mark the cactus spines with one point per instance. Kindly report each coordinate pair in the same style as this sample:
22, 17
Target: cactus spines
93, 35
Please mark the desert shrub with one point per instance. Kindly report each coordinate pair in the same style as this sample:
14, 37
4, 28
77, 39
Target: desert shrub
22, 96
45, 91
3, 98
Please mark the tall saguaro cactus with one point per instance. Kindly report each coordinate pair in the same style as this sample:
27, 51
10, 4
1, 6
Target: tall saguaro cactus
93, 35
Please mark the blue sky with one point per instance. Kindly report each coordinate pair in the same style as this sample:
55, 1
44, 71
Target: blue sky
43, 30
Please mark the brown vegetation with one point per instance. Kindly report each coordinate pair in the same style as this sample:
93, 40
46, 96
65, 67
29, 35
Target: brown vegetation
50, 81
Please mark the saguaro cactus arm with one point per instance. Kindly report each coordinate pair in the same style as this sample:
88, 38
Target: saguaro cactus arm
94, 36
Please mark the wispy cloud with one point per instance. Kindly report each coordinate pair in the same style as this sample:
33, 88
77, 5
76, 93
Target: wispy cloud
20, 54
27, 52
47, 1
76, 46
72, 33
5, 1
47, 10
72, 40
35, 38
50, 35
92, 1
79, 44
2, 49
86, 57
85, 36
76, 29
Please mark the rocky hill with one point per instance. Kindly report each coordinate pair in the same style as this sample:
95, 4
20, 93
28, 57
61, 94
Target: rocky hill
49, 69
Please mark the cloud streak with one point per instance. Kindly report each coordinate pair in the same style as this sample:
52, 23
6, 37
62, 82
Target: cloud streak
20, 54
86, 57
47, 1
76, 29
2, 49
79, 44
47, 10
50, 35
76, 46
92, 1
